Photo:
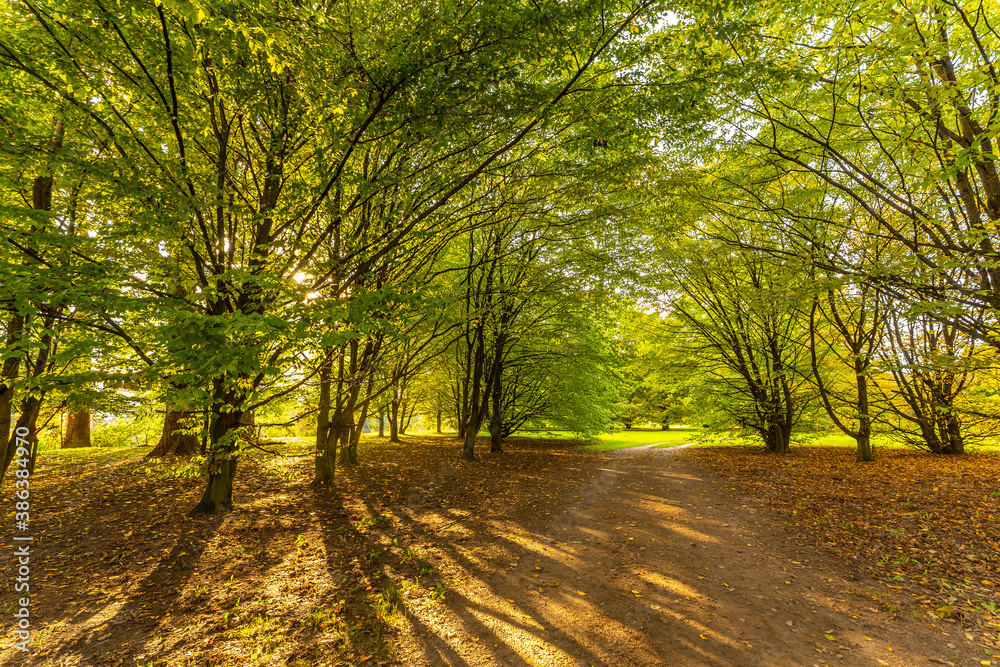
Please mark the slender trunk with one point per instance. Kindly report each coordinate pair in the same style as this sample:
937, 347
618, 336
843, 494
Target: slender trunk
11, 366
326, 464
665, 426
362, 418
404, 423
381, 422
439, 420
496, 418
394, 420
864, 436
32, 404
476, 415
77, 430
28, 419
407, 418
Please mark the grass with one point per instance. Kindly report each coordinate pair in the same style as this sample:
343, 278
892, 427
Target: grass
607, 442
635, 438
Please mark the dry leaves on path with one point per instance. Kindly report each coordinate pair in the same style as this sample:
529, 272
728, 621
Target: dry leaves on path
924, 525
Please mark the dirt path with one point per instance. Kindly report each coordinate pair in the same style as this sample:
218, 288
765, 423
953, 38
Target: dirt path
654, 561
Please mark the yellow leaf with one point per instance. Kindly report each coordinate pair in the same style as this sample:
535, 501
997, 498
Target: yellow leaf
580, 593
702, 635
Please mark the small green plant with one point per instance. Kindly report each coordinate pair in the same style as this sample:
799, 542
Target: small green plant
386, 603
426, 571
322, 618
368, 522
990, 607
437, 591
301, 542
408, 556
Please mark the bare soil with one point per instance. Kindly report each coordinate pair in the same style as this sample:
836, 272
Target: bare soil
545, 555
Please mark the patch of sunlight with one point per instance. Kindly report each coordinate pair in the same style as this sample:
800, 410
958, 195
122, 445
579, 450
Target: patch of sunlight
678, 587
690, 533
702, 629
520, 636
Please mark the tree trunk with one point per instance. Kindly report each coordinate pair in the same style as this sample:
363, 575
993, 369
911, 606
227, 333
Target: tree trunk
439, 420
11, 366
77, 430
496, 418
475, 415
173, 442
218, 495
30, 408
381, 422
326, 463
665, 426
394, 421
32, 404
363, 417
404, 423
864, 437
954, 441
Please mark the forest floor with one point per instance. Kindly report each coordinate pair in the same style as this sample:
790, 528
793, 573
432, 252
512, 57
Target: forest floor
545, 555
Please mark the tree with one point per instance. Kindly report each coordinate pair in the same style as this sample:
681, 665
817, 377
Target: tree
740, 312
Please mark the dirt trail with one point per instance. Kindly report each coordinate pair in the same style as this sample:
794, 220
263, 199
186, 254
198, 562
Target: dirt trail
654, 561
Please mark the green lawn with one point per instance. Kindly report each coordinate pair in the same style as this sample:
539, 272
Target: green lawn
621, 439
607, 442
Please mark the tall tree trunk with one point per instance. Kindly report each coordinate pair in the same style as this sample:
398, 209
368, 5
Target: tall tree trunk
8, 375
381, 422
865, 451
326, 463
172, 441
403, 423
496, 418
476, 415
218, 494
28, 419
439, 420
31, 405
406, 418
77, 430
394, 420
362, 418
